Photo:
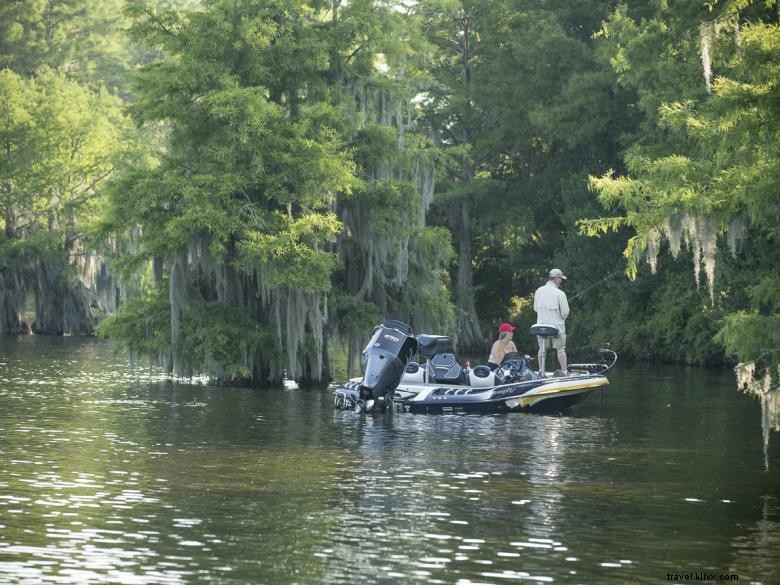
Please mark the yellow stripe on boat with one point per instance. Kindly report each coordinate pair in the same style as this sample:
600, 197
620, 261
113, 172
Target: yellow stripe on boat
560, 388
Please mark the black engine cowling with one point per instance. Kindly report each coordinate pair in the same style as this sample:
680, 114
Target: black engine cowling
385, 357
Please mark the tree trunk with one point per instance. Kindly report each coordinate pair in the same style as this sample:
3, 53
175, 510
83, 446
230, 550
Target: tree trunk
469, 332
468, 329
10, 221
12, 303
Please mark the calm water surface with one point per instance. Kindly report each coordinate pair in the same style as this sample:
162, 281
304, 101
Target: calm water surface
110, 476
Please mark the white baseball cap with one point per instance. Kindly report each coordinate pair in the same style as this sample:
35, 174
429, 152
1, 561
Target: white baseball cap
556, 273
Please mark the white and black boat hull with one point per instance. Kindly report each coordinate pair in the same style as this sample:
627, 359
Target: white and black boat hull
554, 394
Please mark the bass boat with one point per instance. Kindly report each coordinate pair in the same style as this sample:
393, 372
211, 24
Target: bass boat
439, 382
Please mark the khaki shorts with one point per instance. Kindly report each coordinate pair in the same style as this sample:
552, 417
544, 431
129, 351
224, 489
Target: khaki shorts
552, 342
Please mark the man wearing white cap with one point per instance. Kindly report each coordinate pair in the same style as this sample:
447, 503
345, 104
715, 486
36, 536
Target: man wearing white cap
552, 308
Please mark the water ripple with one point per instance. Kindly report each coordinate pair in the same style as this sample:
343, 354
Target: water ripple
108, 475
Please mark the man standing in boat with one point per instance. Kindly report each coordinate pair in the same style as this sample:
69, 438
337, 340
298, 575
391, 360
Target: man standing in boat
552, 308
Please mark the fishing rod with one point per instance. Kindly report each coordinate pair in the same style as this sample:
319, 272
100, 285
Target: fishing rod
607, 277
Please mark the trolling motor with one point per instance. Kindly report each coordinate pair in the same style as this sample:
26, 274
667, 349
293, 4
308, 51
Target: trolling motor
383, 362
607, 359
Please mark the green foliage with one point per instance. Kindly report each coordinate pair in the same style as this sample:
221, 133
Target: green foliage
529, 108
352, 314
235, 158
765, 295
212, 338
263, 148
753, 333
661, 317
291, 252
429, 298
142, 325
17, 254
54, 129
81, 40
388, 205
291, 152
220, 340
752, 336
707, 153
60, 142
376, 144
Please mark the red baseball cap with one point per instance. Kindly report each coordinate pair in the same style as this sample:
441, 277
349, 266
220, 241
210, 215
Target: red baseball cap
506, 327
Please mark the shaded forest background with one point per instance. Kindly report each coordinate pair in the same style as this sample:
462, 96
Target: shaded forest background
241, 188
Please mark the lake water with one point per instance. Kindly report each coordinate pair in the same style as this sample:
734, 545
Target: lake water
109, 475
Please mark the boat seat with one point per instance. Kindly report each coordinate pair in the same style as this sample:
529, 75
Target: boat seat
482, 377
413, 374
544, 330
428, 345
447, 369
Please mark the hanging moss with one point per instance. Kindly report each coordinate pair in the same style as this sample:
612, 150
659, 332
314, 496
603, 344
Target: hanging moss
700, 235
706, 32
385, 220
12, 302
766, 388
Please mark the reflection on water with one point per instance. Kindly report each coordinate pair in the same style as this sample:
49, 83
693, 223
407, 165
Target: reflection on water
440, 507
108, 476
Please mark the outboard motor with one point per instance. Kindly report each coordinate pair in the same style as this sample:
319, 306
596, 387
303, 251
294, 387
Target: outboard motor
384, 360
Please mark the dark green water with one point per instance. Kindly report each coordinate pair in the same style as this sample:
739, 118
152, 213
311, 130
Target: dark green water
108, 476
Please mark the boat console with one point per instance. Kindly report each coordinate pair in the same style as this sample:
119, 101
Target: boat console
514, 368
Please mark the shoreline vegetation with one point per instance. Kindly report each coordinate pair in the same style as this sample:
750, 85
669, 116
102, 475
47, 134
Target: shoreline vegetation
239, 189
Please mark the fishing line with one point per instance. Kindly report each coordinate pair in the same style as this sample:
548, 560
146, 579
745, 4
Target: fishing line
607, 277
